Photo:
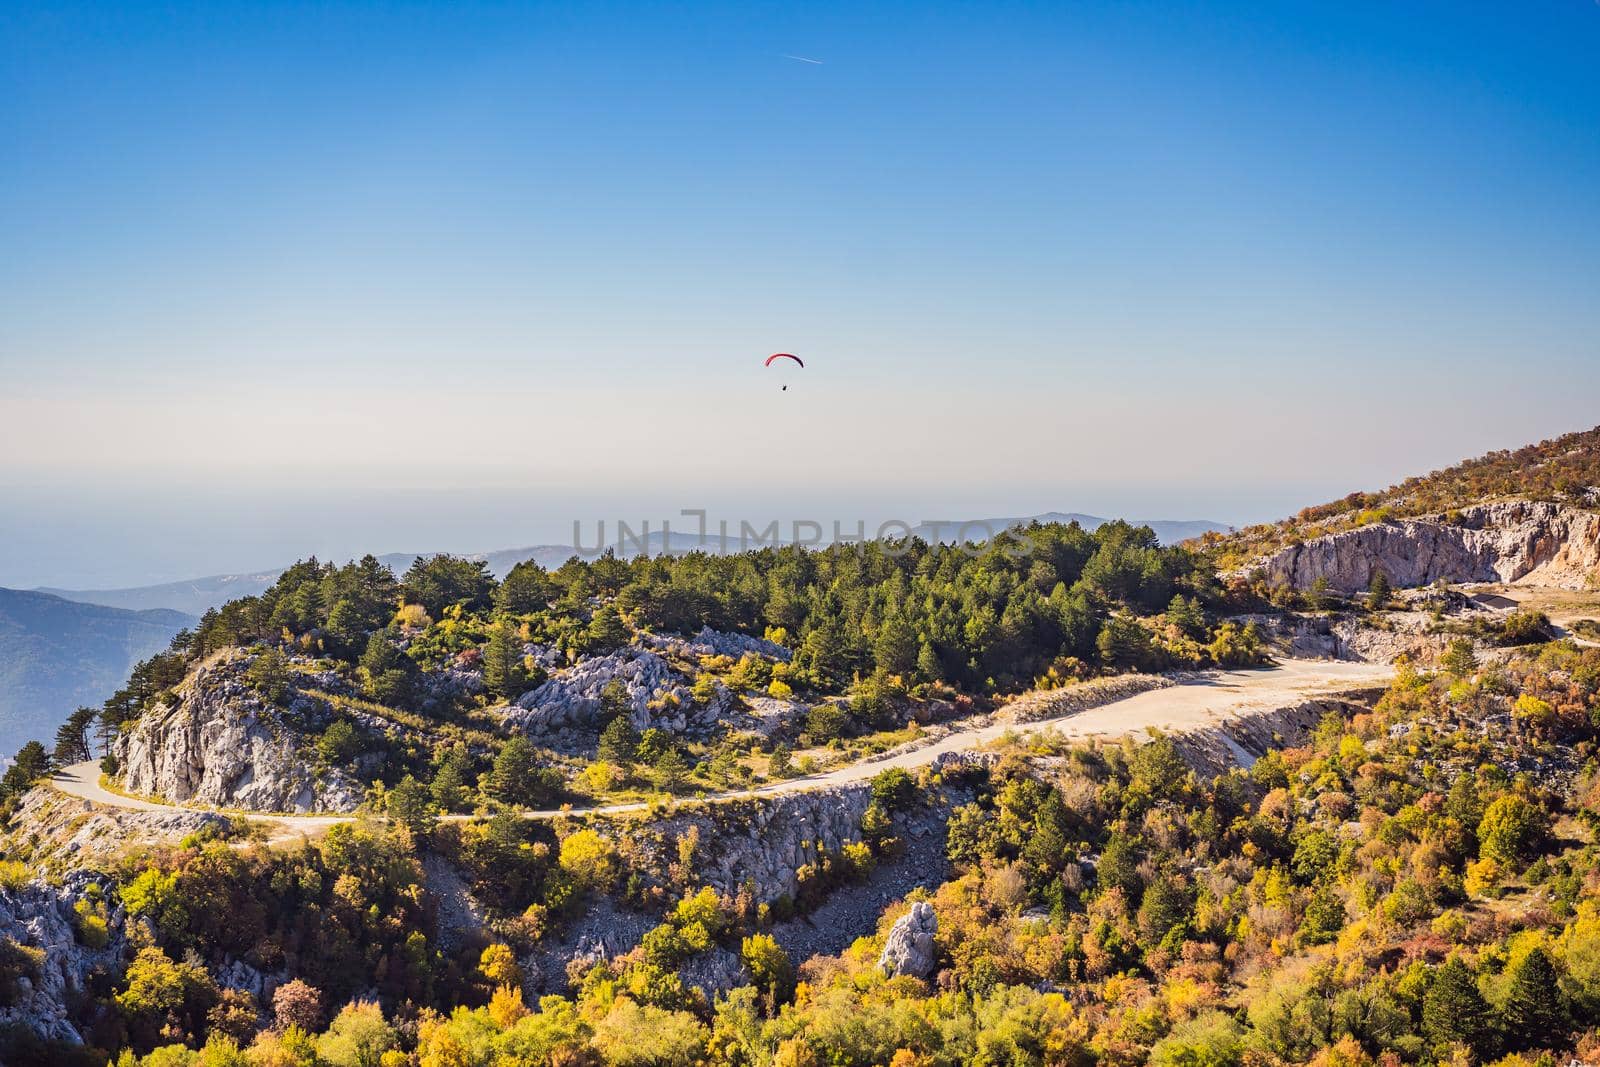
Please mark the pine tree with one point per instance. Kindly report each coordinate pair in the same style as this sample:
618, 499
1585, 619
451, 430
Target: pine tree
1534, 1015
32, 763
514, 777
1185, 614
895, 649
1378, 590
449, 786
527, 589
1459, 660
781, 765
1166, 904
1046, 848
606, 630
410, 804
1454, 1011
386, 671
503, 672
269, 673
670, 770
928, 666
72, 739
619, 742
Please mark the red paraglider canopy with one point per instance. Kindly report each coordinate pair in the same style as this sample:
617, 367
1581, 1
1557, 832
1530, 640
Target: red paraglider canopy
784, 355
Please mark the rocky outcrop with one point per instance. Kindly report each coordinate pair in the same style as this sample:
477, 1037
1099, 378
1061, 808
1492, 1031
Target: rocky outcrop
53, 833
709, 642
1527, 542
39, 918
658, 696
1357, 638
909, 946
221, 744
762, 842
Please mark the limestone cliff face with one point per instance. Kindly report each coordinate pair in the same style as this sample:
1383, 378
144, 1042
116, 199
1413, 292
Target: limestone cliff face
1528, 542
221, 744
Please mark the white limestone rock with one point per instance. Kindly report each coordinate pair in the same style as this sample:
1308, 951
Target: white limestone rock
909, 947
1534, 543
221, 745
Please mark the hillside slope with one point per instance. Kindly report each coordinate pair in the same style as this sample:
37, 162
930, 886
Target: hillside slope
1529, 516
56, 654
1563, 470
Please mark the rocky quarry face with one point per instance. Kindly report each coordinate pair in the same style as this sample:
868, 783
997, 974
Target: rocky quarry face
222, 745
1528, 542
1240, 740
909, 946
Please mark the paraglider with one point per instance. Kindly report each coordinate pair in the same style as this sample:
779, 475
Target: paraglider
784, 355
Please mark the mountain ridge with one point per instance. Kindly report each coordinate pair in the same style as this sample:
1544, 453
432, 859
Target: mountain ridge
56, 654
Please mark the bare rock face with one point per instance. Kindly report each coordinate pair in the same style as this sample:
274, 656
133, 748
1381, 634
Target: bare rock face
758, 842
1528, 542
222, 745
38, 917
909, 947
658, 695
709, 642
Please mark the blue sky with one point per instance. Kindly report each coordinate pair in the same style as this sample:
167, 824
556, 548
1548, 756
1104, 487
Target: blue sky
1146, 258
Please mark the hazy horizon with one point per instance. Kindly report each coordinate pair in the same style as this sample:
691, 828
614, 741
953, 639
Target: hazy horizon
57, 540
138, 533
289, 278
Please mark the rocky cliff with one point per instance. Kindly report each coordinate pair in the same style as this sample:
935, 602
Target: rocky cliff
38, 918
218, 742
1528, 542
761, 842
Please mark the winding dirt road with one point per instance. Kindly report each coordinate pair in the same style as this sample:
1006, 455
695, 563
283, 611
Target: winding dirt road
1193, 704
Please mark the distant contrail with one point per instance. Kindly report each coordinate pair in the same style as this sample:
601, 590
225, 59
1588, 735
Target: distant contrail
818, 62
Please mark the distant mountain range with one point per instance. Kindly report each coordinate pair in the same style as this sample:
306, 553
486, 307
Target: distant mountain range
196, 595
56, 654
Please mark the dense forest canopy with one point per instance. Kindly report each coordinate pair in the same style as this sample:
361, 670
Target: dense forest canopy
990, 618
